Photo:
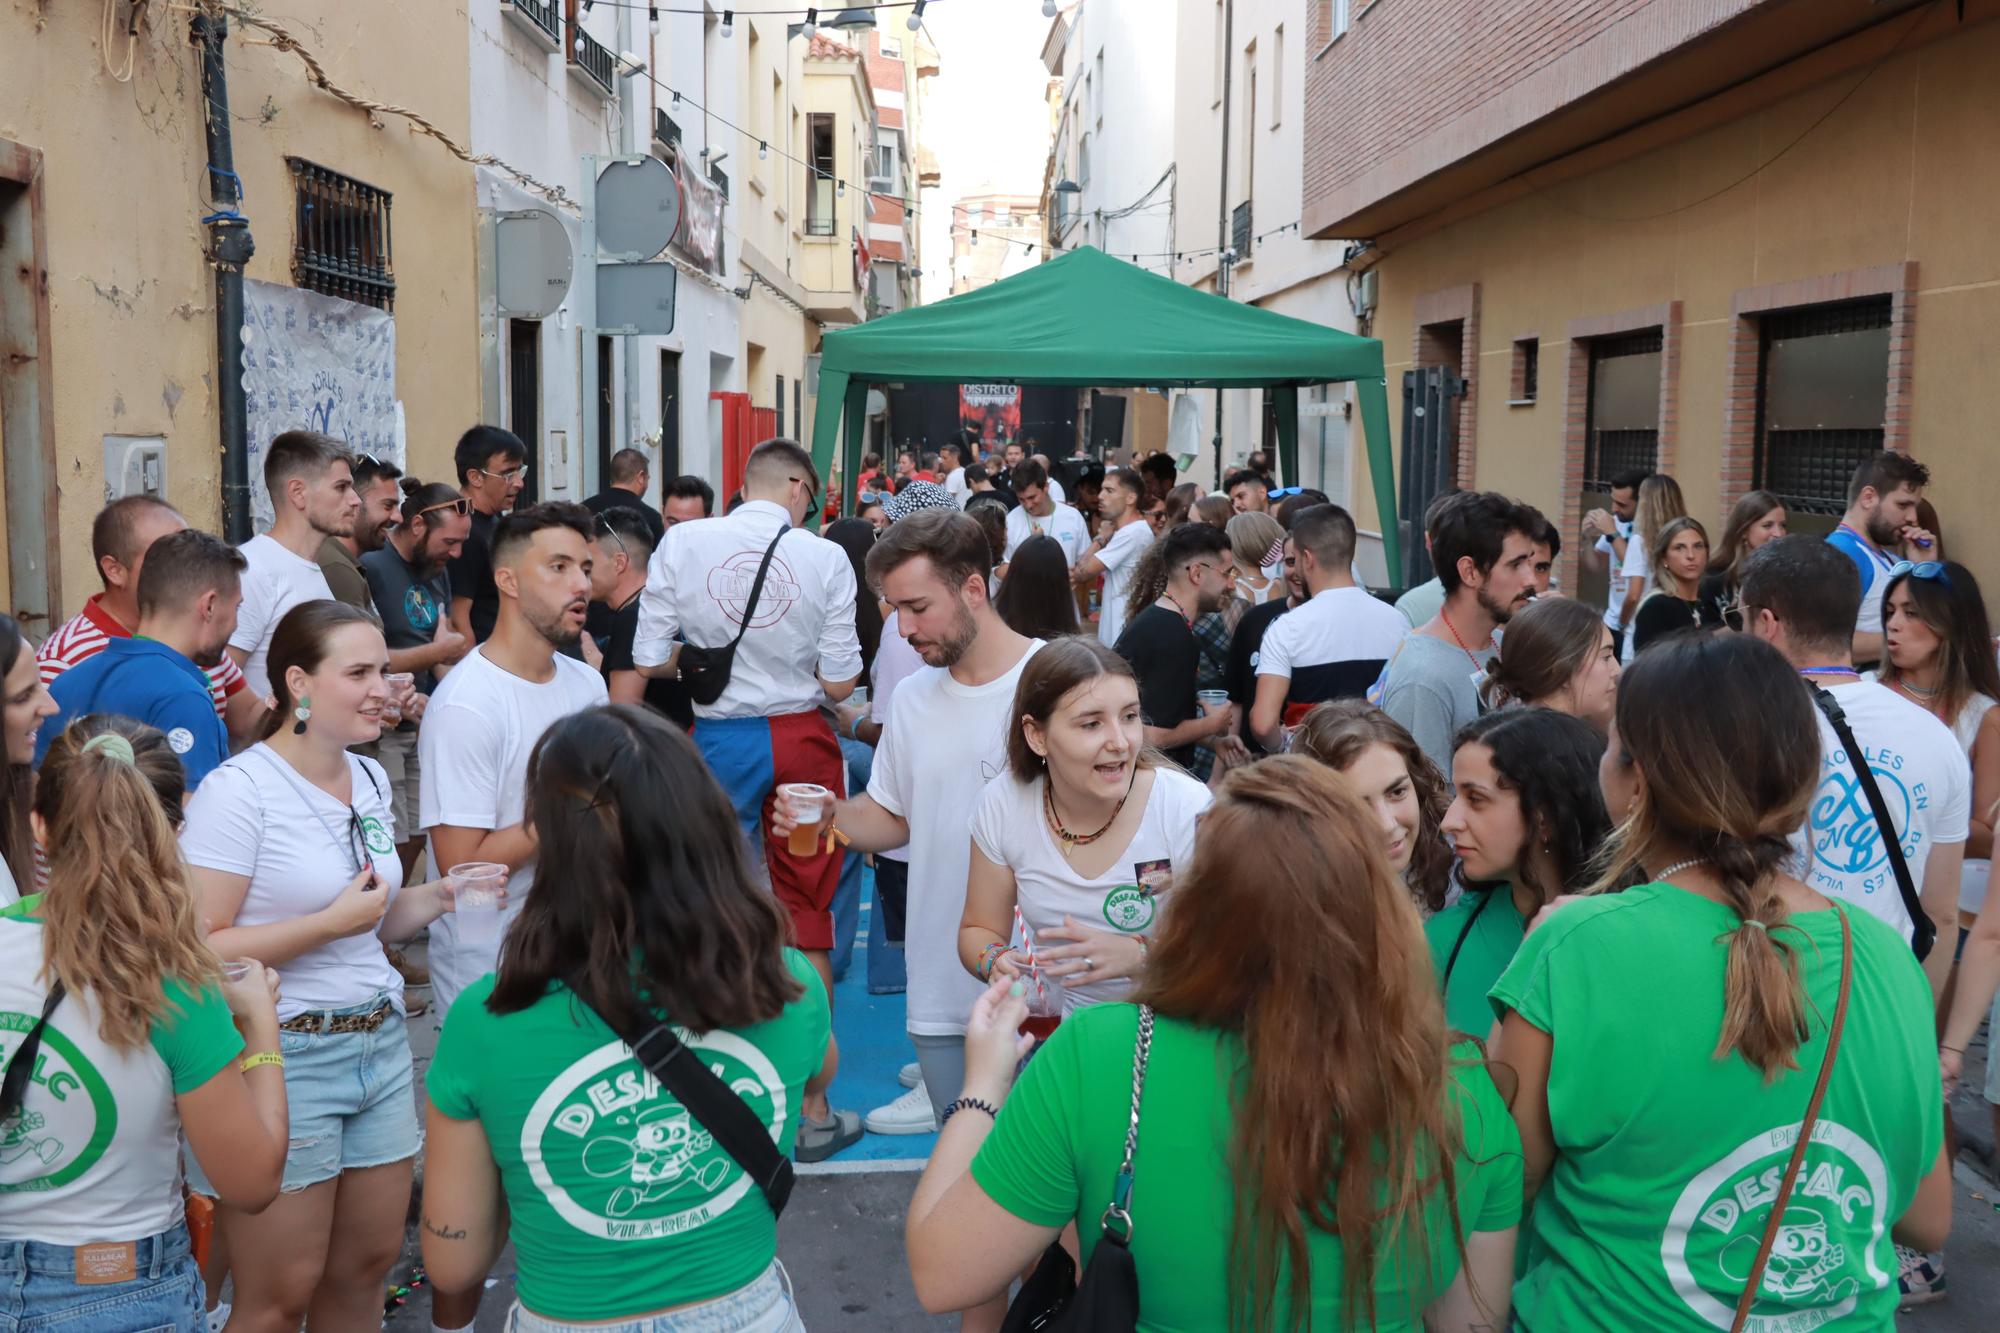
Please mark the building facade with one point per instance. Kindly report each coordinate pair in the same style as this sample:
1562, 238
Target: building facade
109, 381
994, 235
1742, 241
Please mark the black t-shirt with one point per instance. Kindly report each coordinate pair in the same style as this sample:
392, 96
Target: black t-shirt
1241, 681
410, 604
1718, 602
613, 498
1662, 615
472, 575
614, 629
1166, 657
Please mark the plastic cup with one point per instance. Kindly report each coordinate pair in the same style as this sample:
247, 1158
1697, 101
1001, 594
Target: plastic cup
860, 696
812, 806
476, 888
400, 684
1045, 1003
1211, 701
236, 970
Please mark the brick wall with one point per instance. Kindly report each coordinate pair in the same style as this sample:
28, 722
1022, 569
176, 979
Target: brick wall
1415, 85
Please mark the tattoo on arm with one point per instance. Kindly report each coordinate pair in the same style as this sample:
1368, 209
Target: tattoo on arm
443, 1233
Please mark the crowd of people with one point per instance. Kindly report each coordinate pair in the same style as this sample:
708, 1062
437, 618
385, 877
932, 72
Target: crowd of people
1237, 910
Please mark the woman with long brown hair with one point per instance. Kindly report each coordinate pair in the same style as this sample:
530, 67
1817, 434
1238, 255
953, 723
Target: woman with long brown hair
546, 1129
1560, 655
1398, 783
26, 706
1668, 1039
1659, 503
139, 1040
1309, 1146
1755, 519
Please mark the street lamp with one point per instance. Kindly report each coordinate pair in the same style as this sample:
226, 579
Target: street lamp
854, 20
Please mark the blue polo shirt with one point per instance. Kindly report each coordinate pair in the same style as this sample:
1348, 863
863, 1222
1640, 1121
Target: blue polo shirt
149, 682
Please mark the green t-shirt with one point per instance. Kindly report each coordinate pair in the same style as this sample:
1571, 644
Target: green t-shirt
1667, 1157
621, 1202
1054, 1153
1489, 946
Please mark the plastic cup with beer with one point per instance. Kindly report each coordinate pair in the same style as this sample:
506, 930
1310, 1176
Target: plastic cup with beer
812, 808
476, 889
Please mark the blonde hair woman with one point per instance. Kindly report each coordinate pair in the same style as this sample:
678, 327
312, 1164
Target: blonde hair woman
1659, 503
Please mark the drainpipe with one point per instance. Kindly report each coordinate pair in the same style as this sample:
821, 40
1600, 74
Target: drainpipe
1222, 255
229, 249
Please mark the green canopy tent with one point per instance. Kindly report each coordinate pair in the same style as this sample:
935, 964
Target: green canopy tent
1090, 320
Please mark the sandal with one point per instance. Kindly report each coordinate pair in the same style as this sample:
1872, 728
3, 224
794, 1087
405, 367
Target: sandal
821, 1139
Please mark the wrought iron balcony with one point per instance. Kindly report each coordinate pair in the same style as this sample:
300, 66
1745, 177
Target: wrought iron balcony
1239, 231
592, 60
665, 131
538, 18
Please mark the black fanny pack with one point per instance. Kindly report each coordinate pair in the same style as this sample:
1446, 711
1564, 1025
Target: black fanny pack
704, 672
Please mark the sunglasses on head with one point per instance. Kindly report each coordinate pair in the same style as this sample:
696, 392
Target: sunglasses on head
459, 506
1930, 571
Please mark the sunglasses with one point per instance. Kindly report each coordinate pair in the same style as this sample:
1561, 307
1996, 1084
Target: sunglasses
1286, 492
1930, 571
511, 474
604, 529
812, 499
459, 506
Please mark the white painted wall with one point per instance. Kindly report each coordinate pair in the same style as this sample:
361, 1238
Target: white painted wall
1119, 93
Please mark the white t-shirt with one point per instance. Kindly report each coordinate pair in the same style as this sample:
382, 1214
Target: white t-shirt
95, 1155
1066, 525
1637, 566
257, 816
1614, 608
1334, 646
1925, 781
944, 742
1120, 558
478, 730
895, 662
1010, 829
954, 486
275, 582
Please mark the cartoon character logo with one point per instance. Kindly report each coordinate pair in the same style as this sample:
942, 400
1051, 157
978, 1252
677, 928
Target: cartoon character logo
1827, 1251
376, 834
1129, 908
619, 1158
19, 1139
67, 1119
420, 608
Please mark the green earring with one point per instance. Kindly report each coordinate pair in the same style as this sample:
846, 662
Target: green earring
302, 712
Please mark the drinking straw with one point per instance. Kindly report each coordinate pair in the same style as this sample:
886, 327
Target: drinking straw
1028, 946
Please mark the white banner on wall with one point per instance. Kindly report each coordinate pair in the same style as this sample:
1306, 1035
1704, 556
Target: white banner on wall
313, 362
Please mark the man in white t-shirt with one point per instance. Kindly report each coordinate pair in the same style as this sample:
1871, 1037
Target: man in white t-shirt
1115, 554
951, 458
1332, 647
1056, 491
1039, 515
1613, 530
1879, 528
1800, 594
946, 738
310, 478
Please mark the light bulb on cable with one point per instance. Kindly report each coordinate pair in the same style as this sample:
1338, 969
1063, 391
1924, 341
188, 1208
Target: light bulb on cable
763, 150
1048, 9
811, 25
677, 101
916, 18
579, 41
653, 19
840, 189
728, 23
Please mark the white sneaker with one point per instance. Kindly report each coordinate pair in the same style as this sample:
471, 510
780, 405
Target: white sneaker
910, 1075
909, 1114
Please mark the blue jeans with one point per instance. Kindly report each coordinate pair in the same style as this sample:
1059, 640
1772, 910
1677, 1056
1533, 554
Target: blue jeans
887, 974
764, 1306
39, 1290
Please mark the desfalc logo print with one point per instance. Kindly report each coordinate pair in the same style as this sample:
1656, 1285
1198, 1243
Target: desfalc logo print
619, 1158
1825, 1254
67, 1120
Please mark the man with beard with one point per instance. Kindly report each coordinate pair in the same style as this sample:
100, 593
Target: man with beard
310, 479
377, 482
1161, 646
189, 590
796, 648
1483, 547
409, 585
946, 735
1879, 528
489, 711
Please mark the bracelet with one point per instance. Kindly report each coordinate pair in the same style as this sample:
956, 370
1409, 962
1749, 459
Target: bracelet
961, 1104
250, 1062
990, 955
1145, 945
1955, 1050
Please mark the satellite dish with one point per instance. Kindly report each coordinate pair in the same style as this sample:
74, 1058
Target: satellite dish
533, 262
638, 207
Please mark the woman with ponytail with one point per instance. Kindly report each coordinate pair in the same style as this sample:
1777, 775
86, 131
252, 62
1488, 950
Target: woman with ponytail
1668, 1038
124, 1035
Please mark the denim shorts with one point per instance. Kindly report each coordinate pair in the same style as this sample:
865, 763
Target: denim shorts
763, 1306
39, 1290
352, 1099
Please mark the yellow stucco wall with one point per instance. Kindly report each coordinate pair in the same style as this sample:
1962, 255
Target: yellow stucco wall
1906, 168
131, 296
839, 88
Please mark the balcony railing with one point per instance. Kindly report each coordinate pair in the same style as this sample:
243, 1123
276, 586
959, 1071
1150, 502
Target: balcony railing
593, 60
721, 179
340, 242
665, 131
1239, 231
538, 18
819, 208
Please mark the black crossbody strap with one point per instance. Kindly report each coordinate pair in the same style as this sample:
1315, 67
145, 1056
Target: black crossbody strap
1924, 930
21, 1067
736, 1128
757, 588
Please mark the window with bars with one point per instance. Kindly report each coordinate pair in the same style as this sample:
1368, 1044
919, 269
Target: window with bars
340, 244
1622, 409
1822, 399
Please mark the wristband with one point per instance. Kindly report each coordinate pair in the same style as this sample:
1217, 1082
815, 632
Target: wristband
1144, 946
250, 1062
961, 1104
987, 958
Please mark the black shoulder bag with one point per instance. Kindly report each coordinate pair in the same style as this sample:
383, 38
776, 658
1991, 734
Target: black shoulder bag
1107, 1300
737, 1129
1924, 929
704, 672
21, 1067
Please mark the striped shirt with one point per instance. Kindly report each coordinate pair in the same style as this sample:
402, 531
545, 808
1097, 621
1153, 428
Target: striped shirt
84, 635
